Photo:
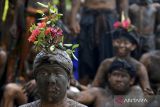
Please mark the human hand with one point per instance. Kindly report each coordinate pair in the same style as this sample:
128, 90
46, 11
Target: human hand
74, 83
30, 87
148, 91
75, 27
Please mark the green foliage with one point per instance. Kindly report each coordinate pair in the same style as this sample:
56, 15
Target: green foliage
32, 27
71, 49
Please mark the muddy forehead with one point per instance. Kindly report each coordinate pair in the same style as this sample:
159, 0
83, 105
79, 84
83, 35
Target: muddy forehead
50, 68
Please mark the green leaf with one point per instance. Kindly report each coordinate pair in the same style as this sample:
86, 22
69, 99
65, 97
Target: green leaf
40, 12
69, 51
68, 45
52, 48
33, 27
60, 45
75, 46
48, 22
41, 18
62, 39
36, 42
74, 56
59, 15
42, 5
5, 11
56, 2
54, 10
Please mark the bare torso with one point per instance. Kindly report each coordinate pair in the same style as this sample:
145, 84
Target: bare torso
100, 4
105, 98
143, 17
152, 62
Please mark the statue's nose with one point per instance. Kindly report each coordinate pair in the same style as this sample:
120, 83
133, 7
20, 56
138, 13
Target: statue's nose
52, 79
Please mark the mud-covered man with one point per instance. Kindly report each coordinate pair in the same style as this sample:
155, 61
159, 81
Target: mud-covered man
120, 79
52, 74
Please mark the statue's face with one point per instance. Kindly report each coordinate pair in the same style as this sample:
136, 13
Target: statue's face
52, 82
119, 81
123, 47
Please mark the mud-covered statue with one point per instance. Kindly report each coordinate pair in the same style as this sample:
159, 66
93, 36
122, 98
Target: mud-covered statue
52, 66
52, 73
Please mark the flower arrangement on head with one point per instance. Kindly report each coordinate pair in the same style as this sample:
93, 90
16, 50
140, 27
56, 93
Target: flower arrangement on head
125, 29
47, 35
125, 23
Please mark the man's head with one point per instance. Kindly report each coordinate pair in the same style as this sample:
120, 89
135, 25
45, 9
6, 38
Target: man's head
120, 76
52, 72
124, 42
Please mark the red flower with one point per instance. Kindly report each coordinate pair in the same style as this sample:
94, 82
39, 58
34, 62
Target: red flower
126, 24
117, 24
31, 38
54, 32
34, 34
41, 25
48, 30
59, 32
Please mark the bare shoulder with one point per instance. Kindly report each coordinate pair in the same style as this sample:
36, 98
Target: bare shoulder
145, 57
134, 7
135, 62
73, 103
107, 61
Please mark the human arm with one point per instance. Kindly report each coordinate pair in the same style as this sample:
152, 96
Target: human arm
30, 88
145, 60
74, 24
86, 97
3, 59
100, 77
76, 84
18, 8
62, 9
144, 80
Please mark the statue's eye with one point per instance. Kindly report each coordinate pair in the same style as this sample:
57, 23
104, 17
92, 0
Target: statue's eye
44, 74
